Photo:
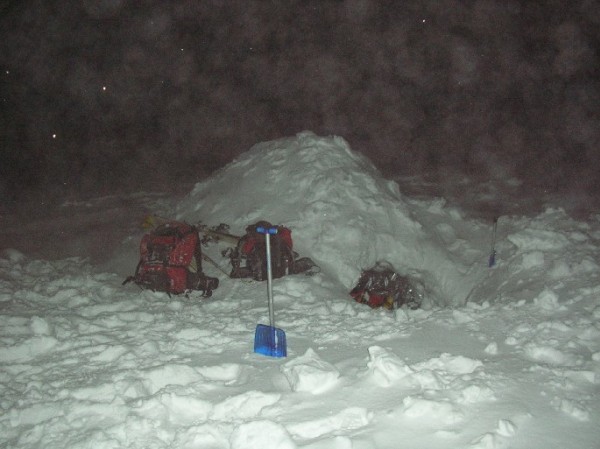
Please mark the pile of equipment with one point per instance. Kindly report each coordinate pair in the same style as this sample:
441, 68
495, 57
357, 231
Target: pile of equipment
382, 286
171, 261
171, 256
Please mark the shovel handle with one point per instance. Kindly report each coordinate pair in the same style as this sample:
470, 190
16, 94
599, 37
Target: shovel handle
267, 232
263, 230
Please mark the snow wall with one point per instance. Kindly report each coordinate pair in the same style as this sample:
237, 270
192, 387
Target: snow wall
342, 213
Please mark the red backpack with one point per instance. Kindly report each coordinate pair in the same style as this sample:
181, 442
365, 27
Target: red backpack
251, 250
171, 261
382, 286
251, 247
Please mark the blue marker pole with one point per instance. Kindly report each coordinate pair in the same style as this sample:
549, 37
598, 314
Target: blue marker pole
492, 259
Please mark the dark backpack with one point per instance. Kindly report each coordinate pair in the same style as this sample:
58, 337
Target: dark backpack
252, 248
171, 261
381, 286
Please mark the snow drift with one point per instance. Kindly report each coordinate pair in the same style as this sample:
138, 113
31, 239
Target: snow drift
86, 362
342, 212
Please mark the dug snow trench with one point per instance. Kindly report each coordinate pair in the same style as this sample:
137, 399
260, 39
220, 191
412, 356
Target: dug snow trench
498, 357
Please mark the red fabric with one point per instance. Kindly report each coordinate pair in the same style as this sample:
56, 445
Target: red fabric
286, 236
183, 252
182, 248
371, 299
376, 300
359, 296
248, 245
177, 277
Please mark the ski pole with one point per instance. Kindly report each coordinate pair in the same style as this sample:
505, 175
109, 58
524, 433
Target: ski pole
215, 264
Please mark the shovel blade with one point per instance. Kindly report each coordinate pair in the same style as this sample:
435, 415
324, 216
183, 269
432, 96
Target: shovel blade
270, 341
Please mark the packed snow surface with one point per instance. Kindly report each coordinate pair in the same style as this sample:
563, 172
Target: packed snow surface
498, 357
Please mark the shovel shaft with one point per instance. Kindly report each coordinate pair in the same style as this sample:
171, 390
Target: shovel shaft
270, 280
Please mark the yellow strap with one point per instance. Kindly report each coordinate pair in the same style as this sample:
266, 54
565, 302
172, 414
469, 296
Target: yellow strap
149, 222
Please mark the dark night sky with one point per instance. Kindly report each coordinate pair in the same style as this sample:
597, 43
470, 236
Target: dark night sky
117, 95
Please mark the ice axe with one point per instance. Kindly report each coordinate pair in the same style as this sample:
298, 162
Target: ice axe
268, 340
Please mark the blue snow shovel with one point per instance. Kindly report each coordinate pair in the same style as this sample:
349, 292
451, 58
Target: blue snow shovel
268, 340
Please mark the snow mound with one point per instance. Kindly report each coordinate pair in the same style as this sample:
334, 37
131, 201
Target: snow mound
310, 373
348, 419
264, 434
343, 213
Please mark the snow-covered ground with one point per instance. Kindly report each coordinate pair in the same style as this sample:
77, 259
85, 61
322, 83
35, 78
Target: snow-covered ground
501, 357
